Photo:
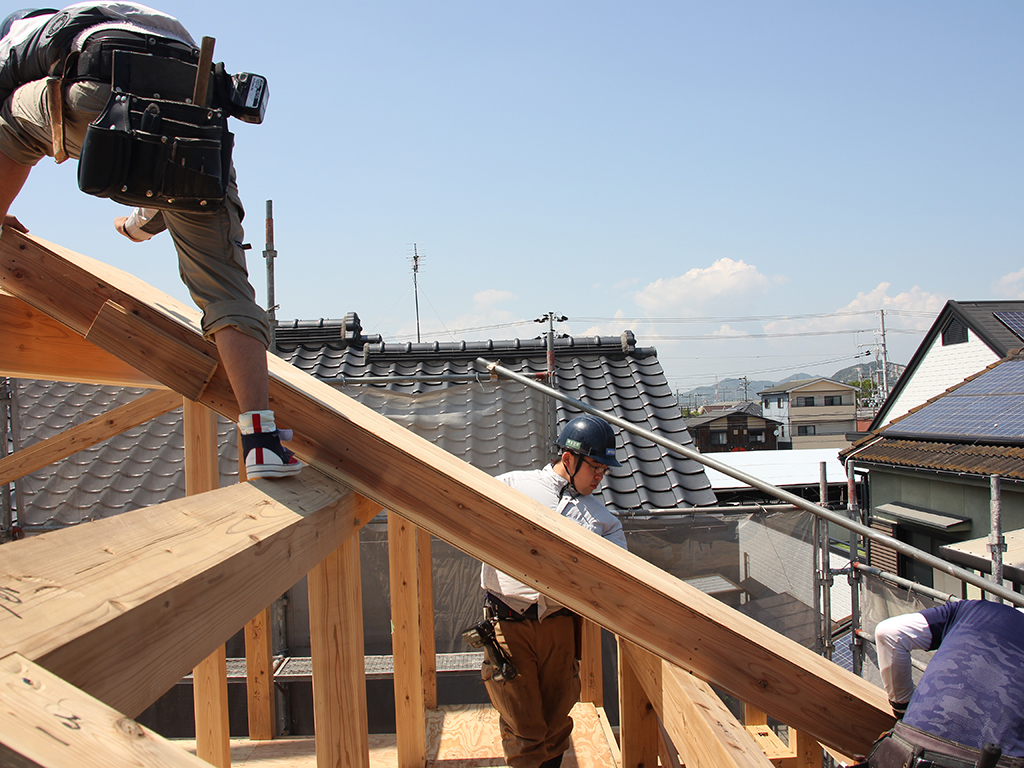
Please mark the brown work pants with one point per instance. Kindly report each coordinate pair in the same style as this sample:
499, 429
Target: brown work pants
534, 706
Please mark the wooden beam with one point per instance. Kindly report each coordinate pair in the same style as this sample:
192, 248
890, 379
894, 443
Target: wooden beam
125, 606
410, 712
210, 676
87, 434
145, 346
341, 724
464, 506
638, 723
47, 723
38, 347
700, 726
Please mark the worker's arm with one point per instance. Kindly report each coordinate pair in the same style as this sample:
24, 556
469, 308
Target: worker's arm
895, 638
12, 179
141, 224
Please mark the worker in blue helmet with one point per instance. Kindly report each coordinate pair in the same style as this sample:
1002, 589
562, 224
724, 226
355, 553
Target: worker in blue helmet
537, 634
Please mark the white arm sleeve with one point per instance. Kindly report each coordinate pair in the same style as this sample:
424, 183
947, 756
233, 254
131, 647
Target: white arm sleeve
895, 638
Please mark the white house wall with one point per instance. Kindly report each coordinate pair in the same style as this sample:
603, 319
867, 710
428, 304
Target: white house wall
941, 368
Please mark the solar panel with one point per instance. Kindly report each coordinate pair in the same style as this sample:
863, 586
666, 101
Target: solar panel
1012, 320
989, 407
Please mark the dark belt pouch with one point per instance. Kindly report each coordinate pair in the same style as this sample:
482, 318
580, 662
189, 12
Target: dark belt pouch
156, 152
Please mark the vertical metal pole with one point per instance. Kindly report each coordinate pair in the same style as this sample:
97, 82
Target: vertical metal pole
826, 569
996, 542
269, 254
552, 403
885, 360
853, 511
6, 516
416, 287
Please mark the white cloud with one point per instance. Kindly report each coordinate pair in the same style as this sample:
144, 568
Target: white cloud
692, 293
485, 300
1010, 286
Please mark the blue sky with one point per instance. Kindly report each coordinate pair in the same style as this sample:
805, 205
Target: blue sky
742, 184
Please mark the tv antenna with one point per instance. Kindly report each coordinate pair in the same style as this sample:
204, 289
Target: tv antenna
415, 259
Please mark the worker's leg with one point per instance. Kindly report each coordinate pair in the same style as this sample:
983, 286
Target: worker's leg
212, 265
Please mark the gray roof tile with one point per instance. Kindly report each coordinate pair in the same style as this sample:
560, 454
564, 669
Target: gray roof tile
495, 425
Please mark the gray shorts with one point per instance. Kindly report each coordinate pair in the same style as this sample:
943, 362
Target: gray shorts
211, 260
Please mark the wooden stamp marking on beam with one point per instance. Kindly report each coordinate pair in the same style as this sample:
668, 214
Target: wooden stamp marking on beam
47, 723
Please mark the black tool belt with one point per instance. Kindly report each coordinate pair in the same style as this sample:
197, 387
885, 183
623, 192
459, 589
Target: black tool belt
96, 61
150, 146
502, 612
908, 747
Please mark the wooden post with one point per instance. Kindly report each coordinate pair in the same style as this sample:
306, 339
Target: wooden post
591, 667
405, 639
753, 716
259, 677
808, 751
339, 670
428, 646
210, 678
638, 723
259, 659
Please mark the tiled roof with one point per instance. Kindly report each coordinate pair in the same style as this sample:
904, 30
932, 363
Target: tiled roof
494, 424
504, 421
789, 386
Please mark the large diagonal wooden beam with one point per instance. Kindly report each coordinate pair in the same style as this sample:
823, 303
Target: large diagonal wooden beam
87, 434
124, 607
484, 517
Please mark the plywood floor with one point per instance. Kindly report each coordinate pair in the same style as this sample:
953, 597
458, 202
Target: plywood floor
457, 737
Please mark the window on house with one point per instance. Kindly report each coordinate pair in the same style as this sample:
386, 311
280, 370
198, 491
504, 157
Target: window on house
779, 402
955, 332
805, 402
833, 399
808, 429
766, 403
719, 437
755, 436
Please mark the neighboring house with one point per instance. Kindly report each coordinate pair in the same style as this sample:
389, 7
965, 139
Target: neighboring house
965, 337
930, 470
740, 428
813, 413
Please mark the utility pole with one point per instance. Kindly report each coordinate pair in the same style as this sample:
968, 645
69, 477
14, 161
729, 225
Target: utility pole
415, 259
885, 360
551, 318
744, 380
269, 254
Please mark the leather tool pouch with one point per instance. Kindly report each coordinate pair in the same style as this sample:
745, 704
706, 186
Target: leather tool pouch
149, 147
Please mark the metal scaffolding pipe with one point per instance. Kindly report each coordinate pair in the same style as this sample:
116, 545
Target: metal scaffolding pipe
689, 453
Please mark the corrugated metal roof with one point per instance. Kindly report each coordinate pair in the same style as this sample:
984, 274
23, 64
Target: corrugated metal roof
495, 425
1006, 461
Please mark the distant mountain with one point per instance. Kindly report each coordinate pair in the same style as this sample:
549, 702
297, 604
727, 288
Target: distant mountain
863, 371
736, 390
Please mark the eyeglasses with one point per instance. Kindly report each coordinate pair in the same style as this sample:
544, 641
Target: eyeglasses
597, 467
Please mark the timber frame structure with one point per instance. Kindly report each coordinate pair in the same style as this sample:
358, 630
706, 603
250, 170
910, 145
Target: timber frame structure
99, 620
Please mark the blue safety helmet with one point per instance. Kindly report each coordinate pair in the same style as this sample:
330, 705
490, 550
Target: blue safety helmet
24, 13
591, 436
